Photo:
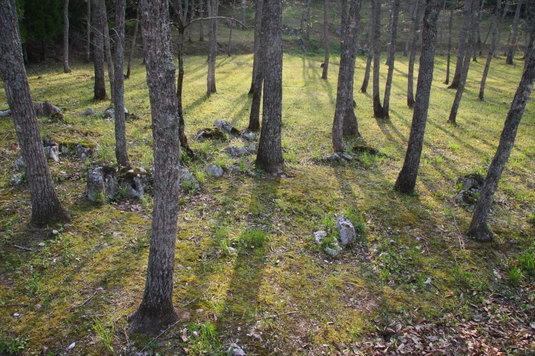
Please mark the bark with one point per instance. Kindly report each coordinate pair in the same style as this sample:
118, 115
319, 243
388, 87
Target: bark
478, 227
257, 31
409, 34
98, 51
212, 52
412, 57
326, 48
511, 46
378, 111
229, 47
391, 55
132, 47
88, 33
492, 50
201, 23
345, 121
462, 47
258, 69
366, 80
121, 152
305, 20
269, 156
406, 180
156, 309
46, 207
448, 60
66, 68
107, 48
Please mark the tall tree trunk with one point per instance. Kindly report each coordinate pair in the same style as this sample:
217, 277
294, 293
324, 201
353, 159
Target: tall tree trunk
305, 20
88, 33
201, 23
258, 68
156, 309
410, 34
391, 55
179, 85
269, 156
132, 47
107, 48
121, 152
46, 207
229, 47
326, 46
406, 180
66, 68
462, 48
98, 50
511, 46
212, 52
492, 50
345, 121
412, 57
478, 227
378, 111
448, 60
366, 80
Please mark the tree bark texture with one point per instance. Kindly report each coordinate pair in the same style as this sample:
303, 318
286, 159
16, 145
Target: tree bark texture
412, 55
212, 52
378, 111
478, 227
258, 69
66, 67
269, 156
326, 46
391, 56
98, 50
462, 47
511, 46
46, 207
257, 31
448, 60
492, 49
132, 47
345, 121
107, 49
88, 32
156, 309
406, 180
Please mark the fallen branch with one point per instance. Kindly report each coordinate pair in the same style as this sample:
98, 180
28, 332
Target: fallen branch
23, 248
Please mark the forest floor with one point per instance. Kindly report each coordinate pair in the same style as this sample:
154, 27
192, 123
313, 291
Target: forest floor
247, 268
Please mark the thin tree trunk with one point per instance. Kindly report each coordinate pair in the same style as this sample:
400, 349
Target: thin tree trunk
212, 52
492, 50
378, 111
66, 68
229, 47
326, 46
406, 180
107, 48
412, 58
448, 60
156, 309
98, 51
257, 31
46, 207
511, 46
345, 121
269, 156
121, 152
88, 32
258, 68
201, 23
462, 48
478, 227
132, 47
366, 80
391, 56
410, 34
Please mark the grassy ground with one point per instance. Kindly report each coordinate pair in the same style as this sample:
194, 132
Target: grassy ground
274, 291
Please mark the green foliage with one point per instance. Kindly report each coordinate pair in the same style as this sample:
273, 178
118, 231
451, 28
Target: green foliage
515, 275
42, 19
253, 238
527, 262
104, 334
356, 219
12, 345
202, 339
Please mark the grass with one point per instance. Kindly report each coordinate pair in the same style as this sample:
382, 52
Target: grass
281, 290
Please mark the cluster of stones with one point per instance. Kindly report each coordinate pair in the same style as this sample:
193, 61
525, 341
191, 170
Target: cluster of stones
346, 235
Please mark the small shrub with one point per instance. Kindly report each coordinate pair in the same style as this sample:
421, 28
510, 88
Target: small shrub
356, 219
515, 275
253, 238
527, 263
11, 345
104, 334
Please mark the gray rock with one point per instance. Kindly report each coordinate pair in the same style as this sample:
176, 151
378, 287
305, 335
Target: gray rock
20, 164
52, 152
223, 125
110, 113
101, 184
249, 136
346, 230
214, 170
338, 157
333, 250
82, 152
319, 236
236, 151
235, 350
5, 113
17, 178
188, 180
251, 148
210, 134
89, 112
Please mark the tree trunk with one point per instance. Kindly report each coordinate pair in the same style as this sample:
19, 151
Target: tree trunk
156, 309
326, 48
366, 80
179, 85
391, 56
212, 52
448, 61
305, 20
378, 111
98, 51
269, 156
492, 50
107, 48
46, 207
132, 47
412, 57
410, 34
201, 23
406, 180
88, 32
66, 68
345, 121
229, 47
478, 227
511, 46
121, 152
258, 68
461, 49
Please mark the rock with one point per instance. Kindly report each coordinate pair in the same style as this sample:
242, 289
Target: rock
251, 148
249, 136
133, 182
333, 250
226, 127
188, 181
89, 112
52, 152
235, 350
319, 236
5, 113
47, 109
346, 230
110, 113
210, 134
236, 151
17, 179
101, 184
338, 157
82, 152
214, 170
471, 186
20, 164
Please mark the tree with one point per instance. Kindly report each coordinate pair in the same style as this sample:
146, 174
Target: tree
107, 48
98, 50
462, 47
88, 32
511, 46
325, 39
391, 55
448, 60
406, 180
378, 111
132, 47
258, 69
156, 309
46, 207
212, 51
492, 49
66, 68
478, 226
345, 121
118, 97
412, 51
269, 156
